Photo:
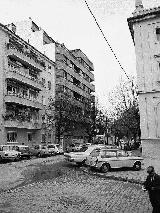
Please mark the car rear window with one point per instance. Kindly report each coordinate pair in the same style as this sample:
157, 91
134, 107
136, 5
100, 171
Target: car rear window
51, 146
23, 148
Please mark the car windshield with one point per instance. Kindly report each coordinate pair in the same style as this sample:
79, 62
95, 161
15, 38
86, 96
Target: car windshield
7, 148
83, 149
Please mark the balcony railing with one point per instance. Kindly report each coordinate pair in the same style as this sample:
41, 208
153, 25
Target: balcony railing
26, 56
23, 124
12, 97
19, 74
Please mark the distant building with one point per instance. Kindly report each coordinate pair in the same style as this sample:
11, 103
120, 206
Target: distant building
27, 81
74, 71
145, 30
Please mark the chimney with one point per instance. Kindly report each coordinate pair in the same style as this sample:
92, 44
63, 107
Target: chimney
138, 4
138, 7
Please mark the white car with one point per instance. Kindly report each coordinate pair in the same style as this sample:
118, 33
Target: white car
7, 152
54, 149
105, 159
80, 157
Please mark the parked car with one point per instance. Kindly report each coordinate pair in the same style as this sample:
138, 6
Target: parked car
39, 151
104, 159
54, 149
7, 152
81, 156
24, 151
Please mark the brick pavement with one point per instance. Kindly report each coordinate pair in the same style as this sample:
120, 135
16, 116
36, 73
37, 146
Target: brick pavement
76, 192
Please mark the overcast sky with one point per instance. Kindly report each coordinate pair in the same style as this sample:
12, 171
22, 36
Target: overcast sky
69, 22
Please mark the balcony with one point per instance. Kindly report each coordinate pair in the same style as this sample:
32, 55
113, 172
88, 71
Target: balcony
22, 124
25, 101
71, 71
25, 57
17, 74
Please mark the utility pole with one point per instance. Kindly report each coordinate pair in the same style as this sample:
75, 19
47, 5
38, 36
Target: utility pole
106, 128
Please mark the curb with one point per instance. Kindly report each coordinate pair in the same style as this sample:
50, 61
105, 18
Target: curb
113, 177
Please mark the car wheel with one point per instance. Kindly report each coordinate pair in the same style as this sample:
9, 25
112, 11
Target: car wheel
137, 166
83, 162
17, 158
39, 155
1, 159
105, 168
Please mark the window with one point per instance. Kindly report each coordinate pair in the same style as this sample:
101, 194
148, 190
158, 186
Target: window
158, 34
29, 136
49, 137
43, 138
49, 85
95, 153
11, 136
110, 154
65, 74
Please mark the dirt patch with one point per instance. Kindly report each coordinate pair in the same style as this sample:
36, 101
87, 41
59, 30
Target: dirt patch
42, 172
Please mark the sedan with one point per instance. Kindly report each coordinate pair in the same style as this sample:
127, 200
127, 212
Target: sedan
105, 159
81, 156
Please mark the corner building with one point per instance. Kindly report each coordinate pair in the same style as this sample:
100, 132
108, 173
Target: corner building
73, 71
145, 30
27, 81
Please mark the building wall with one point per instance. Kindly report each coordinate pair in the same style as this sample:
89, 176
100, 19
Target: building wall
147, 47
148, 71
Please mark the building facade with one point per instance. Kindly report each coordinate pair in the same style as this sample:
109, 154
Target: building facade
73, 71
145, 30
27, 81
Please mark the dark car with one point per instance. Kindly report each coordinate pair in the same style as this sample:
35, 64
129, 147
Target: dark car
24, 151
40, 150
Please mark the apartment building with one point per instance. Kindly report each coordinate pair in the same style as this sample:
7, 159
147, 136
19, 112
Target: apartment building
75, 79
145, 30
27, 82
73, 71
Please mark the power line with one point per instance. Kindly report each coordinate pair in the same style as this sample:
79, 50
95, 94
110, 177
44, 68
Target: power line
106, 39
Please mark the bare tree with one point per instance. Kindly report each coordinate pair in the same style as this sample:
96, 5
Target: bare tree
124, 111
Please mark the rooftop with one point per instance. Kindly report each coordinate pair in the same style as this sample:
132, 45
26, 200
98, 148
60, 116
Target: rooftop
141, 14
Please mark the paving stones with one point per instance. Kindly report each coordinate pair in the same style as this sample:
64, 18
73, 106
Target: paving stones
76, 192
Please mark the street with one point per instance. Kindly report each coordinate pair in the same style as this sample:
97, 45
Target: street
61, 187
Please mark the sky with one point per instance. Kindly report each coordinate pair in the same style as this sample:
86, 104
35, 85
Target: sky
69, 22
